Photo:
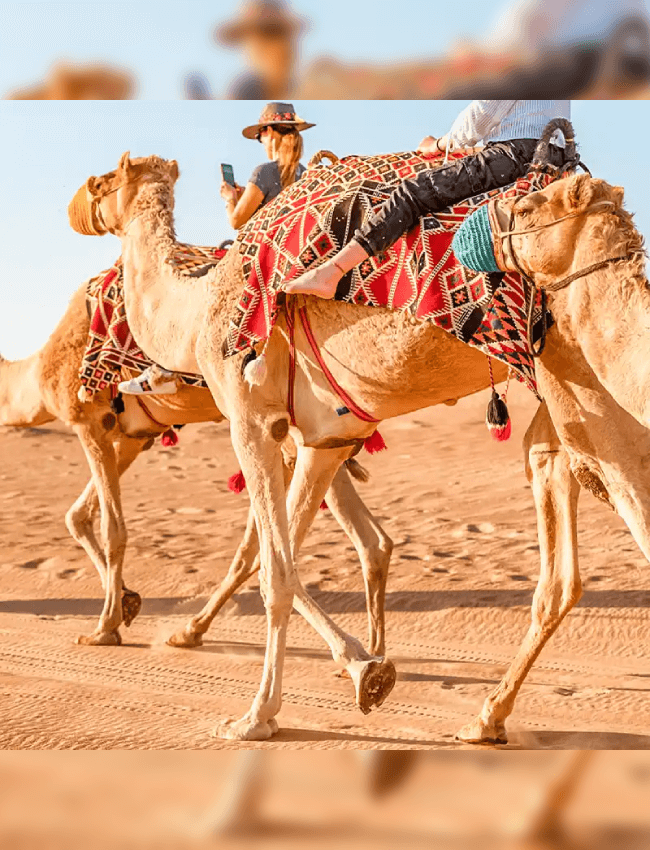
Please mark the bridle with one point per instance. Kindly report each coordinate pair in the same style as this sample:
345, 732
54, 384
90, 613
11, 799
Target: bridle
555, 286
95, 208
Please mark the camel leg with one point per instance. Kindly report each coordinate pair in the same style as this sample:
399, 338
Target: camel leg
373, 546
371, 542
102, 459
243, 566
544, 824
315, 470
556, 491
80, 521
373, 677
257, 445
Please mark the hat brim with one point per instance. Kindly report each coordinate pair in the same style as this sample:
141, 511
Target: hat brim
233, 32
252, 131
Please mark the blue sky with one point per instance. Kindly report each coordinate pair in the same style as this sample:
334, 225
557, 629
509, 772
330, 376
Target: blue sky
161, 41
48, 149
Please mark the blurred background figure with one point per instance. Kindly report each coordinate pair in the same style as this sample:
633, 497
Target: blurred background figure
586, 48
66, 81
268, 34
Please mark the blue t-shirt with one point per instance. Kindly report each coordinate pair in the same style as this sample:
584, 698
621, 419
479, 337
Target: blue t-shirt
267, 179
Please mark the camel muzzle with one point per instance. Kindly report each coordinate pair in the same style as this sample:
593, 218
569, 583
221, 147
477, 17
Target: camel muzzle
80, 214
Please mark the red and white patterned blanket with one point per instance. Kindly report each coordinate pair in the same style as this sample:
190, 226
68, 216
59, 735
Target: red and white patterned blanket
111, 347
314, 217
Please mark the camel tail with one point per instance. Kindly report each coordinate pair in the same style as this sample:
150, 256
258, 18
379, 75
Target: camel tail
358, 472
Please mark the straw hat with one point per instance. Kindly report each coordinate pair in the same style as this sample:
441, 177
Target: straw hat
276, 113
267, 16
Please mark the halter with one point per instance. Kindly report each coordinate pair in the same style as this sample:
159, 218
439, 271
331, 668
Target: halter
95, 209
555, 286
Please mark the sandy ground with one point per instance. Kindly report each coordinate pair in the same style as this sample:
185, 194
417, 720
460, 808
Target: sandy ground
460, 511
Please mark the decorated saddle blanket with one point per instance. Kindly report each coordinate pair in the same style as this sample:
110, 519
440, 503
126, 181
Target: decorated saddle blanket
111, 347
312, 219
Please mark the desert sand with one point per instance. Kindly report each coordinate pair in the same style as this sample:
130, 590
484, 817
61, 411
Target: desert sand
461, 514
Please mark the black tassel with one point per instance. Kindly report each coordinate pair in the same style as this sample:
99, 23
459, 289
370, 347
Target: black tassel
498, 418
117, 404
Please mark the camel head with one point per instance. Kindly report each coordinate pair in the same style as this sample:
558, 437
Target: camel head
549, 225
107, 204
563, 231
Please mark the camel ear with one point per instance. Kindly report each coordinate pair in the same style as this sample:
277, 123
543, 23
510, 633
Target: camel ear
125, 163
618, 195
580, 192
173, 170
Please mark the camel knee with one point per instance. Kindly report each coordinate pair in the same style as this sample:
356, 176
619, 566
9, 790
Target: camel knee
551, 604
377, 560
79, 520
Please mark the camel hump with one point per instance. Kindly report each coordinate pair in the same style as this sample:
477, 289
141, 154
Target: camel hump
318, 157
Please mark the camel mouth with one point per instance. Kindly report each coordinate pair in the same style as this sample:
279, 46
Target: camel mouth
81, 216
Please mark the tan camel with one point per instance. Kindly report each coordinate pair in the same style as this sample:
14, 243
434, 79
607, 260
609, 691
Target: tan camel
390, 366
44, 387
66, 81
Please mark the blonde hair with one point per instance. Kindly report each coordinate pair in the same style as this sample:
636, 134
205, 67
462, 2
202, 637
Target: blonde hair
288, 153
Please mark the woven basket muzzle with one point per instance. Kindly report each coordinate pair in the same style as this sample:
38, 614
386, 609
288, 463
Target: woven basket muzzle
80, 214
473, 243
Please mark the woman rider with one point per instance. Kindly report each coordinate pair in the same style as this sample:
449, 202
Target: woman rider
279, 130
511, 130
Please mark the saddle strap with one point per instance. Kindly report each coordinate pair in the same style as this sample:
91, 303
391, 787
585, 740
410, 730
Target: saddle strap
347, 400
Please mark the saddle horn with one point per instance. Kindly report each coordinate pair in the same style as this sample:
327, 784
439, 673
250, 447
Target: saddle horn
541, 157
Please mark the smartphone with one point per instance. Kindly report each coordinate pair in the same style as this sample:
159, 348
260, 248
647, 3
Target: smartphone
228, 174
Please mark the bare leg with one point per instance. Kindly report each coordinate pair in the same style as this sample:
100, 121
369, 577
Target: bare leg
324, 280
559, 588
80, 522
102, 460
373, 546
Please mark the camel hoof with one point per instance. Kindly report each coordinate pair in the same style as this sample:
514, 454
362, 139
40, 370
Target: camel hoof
131, 605
100, 639
246, 729
480, 732
185, 639
376, 681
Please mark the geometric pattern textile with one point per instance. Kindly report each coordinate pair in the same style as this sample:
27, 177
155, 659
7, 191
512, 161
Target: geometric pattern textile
314, 217
111, 347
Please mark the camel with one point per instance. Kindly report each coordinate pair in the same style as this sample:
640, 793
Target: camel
66, 81
45, 387
392, 366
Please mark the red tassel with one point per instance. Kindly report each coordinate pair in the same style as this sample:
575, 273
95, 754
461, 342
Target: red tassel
374, 443
323, 505
169, 438
237, 483
501, 433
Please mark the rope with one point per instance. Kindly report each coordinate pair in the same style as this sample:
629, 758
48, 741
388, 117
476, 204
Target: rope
347, 400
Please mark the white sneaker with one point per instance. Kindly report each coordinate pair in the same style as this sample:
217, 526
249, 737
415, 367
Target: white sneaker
150, 382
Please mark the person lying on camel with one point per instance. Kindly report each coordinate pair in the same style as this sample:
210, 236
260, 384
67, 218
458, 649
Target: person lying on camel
510, 130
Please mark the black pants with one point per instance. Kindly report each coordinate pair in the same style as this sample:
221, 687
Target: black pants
499, 164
